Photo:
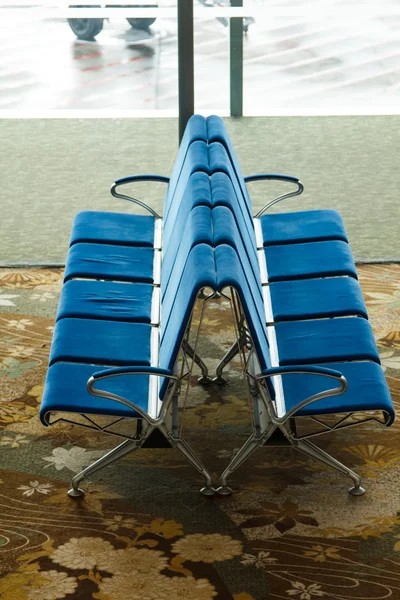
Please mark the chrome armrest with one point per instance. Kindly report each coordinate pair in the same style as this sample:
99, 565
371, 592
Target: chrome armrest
134, 179
115, 372
308, 370
276, 177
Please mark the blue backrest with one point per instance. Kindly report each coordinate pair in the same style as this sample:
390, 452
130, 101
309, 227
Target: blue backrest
188, 265
197, 193
223, 194
200, 159
194, 156
225, 231
230, 273
196, 129
217, 132
195, 159
192, 189
179, 299
197, 230
219, 160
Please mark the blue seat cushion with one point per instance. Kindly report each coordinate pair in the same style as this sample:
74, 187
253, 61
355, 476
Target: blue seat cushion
311, 260
106, 300
302, 226
65, 391
101, 342
122, 229
317, 298
367, 390
100, 261
325, 340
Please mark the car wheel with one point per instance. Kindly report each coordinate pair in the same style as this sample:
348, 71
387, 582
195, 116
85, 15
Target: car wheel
86, 29
140, 23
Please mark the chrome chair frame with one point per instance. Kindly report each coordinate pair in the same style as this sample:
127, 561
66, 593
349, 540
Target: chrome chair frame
166, 420
275, 177
268, 416
136, 179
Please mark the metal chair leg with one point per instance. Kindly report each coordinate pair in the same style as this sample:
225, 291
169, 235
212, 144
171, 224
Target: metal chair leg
204, 379
121, 450
248, 448
233, 350
312, 450
244, 453
188, 453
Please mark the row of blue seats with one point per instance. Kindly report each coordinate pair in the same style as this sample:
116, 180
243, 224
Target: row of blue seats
295, 296
292, 362
130, 286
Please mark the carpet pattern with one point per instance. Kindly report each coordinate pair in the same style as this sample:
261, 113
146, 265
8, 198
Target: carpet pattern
143, 532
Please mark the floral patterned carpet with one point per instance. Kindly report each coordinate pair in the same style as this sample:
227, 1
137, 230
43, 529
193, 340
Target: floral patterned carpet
143, 532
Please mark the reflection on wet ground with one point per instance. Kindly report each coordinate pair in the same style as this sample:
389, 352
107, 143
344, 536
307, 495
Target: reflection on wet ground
289, 63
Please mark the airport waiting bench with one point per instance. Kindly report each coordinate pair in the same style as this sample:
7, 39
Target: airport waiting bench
109, 363
120, 326
121, 315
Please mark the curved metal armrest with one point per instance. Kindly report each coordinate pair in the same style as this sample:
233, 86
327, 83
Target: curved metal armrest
308, 370
266, 176
106, 373
276, 177
134, 179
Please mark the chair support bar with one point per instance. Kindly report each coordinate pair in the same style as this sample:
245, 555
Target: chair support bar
130, 445
315, 398
204, 379
121, 450
135, 179
275, 177
105, 374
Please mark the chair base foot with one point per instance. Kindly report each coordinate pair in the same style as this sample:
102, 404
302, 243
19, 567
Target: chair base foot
207, 491
78, 493
357, 491
224, 490
205, 380
220, 380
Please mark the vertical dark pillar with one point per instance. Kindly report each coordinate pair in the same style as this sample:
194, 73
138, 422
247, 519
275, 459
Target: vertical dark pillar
185, 63
236, 63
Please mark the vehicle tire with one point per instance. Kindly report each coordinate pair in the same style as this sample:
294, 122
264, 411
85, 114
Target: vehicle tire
86, 29
140, 23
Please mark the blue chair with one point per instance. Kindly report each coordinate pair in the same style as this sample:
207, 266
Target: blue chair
283, 262
125, 246
287, 228
133, 300
111, 228
309, 338
121, 342
111, 330
282, 392
314, 297
116, 264
112, 370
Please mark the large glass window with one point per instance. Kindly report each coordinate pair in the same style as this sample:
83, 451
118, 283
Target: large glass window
297, 57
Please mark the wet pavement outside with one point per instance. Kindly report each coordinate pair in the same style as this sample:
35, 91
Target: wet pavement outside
290, 62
